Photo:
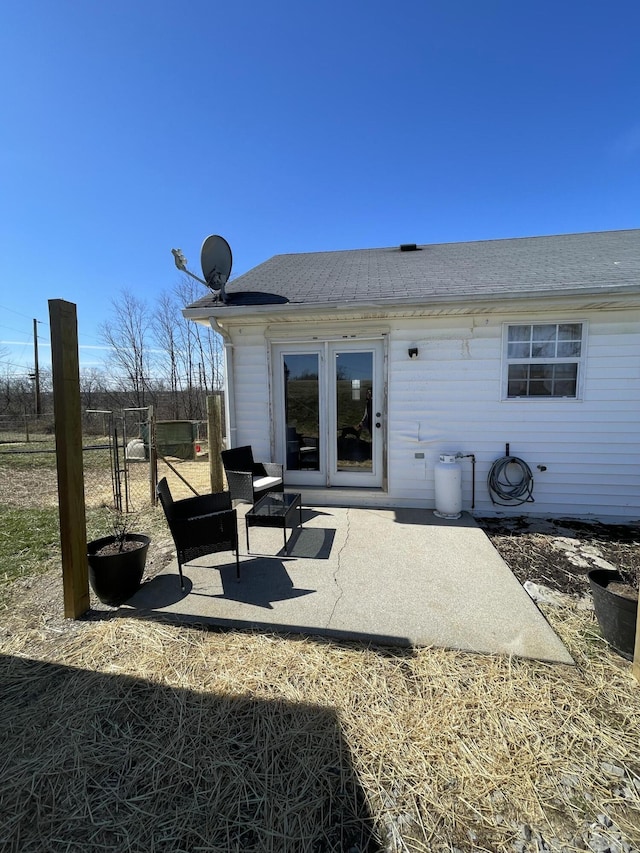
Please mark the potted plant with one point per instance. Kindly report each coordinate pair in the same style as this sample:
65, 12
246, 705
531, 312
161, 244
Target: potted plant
116, 562
615, 600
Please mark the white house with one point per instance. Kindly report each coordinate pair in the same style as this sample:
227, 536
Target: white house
465, 348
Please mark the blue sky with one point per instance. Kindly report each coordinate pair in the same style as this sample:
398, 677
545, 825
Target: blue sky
129, 127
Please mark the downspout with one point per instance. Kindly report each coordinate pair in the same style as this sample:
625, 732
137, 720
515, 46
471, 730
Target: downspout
229, 395
230, 419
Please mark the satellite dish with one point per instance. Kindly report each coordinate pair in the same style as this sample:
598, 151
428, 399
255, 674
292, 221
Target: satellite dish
215, 258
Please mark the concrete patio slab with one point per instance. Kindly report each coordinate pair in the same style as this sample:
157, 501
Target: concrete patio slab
390, 576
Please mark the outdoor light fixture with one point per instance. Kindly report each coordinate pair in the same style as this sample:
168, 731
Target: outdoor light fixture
412, 352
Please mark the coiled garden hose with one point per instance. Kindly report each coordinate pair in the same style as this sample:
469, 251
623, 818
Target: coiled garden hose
510, 482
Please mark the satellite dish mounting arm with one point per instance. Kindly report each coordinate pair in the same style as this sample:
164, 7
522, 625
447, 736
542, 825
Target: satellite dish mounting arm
216, 260
181, 263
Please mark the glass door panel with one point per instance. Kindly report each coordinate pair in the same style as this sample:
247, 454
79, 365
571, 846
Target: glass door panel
355, 415
302, 411
353, 390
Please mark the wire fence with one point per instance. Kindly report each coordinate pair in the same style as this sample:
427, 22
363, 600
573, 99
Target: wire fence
25, 429
118, 461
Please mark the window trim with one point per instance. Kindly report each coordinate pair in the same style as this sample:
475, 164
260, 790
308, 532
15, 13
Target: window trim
579, 360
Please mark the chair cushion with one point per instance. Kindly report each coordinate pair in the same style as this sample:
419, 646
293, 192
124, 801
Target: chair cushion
266, 482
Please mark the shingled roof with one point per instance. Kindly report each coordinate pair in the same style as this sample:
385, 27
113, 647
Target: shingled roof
597, 262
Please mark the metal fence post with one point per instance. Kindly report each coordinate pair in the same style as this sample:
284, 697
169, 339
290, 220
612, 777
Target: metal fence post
153, 457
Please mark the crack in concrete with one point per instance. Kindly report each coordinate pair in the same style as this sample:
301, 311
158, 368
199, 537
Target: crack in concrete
337, 569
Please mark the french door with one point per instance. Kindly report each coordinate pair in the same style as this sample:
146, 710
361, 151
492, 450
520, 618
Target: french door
329, 412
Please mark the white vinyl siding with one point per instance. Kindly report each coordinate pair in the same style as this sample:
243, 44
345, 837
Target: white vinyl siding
252, 394
450, 399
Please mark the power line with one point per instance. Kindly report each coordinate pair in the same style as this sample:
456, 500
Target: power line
20, 332
46, 326
4, 308
13, 364
10, 329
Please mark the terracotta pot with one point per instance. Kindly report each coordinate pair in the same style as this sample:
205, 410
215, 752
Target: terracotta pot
616, 614
116, 577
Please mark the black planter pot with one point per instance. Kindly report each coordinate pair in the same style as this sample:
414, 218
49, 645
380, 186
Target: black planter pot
616, 614
115, 577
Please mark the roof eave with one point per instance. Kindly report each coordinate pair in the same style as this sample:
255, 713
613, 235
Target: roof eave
237, 311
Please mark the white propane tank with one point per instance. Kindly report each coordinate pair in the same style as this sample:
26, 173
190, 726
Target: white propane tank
448, 484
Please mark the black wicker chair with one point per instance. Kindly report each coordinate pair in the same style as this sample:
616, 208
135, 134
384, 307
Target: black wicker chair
200, 525
249, 480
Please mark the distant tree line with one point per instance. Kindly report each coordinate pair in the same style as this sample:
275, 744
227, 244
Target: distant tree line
156, 357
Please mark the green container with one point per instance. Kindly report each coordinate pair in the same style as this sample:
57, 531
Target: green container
173, 438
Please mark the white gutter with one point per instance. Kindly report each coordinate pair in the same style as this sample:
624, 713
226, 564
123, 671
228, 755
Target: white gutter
493, 297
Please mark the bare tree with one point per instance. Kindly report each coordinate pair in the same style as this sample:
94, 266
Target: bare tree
127, 333
164, 327
17, 396
192, 353
158, 356
206, 345
93, 387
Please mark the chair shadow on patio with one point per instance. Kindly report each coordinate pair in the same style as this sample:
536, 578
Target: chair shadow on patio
264, 580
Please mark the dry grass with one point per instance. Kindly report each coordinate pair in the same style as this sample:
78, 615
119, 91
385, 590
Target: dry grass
127, 735
133, 735
36, 485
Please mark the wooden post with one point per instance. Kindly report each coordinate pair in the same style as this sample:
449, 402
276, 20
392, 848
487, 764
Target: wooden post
214, 428
68, 429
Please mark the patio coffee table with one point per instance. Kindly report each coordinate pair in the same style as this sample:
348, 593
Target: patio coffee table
275, 509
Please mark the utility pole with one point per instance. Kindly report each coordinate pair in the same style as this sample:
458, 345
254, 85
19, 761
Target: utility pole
37, 367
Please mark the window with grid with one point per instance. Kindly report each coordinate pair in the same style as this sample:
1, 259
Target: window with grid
544, 359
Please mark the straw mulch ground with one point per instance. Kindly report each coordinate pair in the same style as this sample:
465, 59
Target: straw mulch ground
125, 735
